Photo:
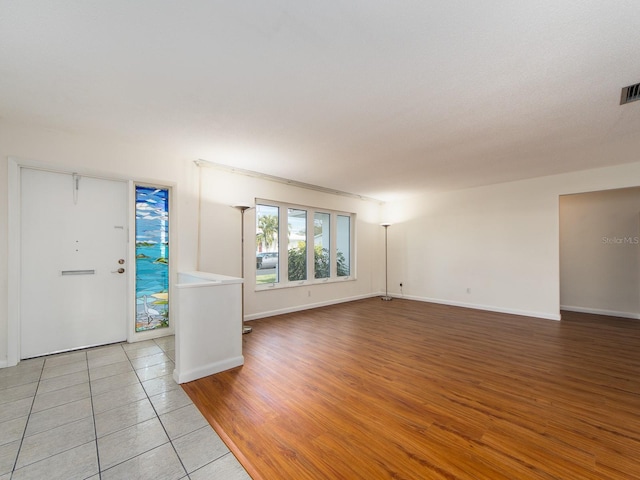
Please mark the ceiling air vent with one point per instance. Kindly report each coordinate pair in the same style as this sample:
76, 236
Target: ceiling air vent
630, 94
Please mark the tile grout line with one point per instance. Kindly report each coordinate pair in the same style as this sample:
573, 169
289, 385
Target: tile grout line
229, 452
164, 349
29, 418
157, 416
93, 414
15, 462
94, 420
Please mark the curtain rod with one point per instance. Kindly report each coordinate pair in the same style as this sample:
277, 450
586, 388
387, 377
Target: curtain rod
286, 181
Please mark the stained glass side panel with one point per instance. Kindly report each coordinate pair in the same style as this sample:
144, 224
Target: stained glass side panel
152, 258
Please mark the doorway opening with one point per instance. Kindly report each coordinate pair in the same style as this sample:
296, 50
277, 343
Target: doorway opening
600, 252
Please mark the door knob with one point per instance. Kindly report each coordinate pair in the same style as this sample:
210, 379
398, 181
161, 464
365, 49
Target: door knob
121, 261
120, 270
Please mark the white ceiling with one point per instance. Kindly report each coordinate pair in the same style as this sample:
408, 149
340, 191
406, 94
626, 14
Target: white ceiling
379, 98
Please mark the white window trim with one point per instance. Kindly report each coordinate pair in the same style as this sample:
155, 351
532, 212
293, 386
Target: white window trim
283, 251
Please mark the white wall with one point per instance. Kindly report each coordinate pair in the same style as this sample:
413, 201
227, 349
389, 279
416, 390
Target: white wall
500, 241
220, 223
73, 153
599, 242
220, 241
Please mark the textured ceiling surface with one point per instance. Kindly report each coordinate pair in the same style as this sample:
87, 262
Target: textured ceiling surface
379, 98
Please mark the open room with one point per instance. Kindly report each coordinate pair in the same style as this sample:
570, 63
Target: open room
276, 240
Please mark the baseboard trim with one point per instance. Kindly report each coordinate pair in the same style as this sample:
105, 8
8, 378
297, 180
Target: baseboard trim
598, 311
308, 306
4, 363
206, 370
488, 308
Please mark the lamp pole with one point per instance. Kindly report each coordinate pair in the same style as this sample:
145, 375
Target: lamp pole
242, 208
386, 297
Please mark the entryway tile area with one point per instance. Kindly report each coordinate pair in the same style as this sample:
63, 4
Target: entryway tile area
110, 412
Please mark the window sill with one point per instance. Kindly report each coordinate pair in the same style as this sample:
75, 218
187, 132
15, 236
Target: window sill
303, 283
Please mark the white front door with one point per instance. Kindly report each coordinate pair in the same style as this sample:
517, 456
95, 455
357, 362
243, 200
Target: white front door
73, 290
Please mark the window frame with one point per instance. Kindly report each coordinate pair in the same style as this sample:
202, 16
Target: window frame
306, 233
338, 233
283, 247
278, 273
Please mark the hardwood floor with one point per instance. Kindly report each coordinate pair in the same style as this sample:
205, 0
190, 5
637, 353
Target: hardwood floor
410, 390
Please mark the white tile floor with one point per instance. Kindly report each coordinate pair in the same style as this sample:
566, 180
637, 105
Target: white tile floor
110, 412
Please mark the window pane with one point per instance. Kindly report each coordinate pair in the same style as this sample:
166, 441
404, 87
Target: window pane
321, 245
267, 221
297, 249
343, 246
152, 258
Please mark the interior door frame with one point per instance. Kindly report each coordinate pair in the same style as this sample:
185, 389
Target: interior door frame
15, 166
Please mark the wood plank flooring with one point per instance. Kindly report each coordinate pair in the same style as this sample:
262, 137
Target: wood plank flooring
410, 390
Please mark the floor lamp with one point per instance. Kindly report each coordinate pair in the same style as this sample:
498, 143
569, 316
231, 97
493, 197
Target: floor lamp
242, 208
386, 297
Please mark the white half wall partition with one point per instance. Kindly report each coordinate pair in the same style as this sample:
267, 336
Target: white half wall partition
209, 326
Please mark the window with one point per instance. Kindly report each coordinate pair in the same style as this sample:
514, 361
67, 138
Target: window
321, 245
343, 246
312, 244
152, 258
267, 229
297, 248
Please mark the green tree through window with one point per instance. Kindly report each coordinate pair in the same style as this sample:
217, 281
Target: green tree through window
298, 262
267, 244
297, 249
267, 231
310, 244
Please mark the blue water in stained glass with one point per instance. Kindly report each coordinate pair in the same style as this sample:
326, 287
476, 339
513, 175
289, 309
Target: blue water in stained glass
152, 258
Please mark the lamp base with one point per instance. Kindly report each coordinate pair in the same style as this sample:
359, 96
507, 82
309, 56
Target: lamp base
386, 298
246, 329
